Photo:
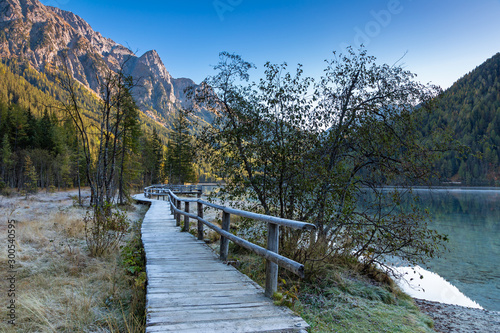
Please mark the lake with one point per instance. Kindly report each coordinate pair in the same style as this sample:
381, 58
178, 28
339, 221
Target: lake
471, 219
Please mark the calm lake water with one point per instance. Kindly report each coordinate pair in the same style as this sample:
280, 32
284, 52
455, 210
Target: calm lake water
471, 219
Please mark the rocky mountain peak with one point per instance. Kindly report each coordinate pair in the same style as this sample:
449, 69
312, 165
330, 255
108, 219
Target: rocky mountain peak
29, 11
152, 60
40, 34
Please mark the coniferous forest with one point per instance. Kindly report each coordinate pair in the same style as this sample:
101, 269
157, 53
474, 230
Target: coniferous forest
39, 142
470, 109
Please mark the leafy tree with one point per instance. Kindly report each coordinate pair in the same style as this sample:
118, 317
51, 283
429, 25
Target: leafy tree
322, 152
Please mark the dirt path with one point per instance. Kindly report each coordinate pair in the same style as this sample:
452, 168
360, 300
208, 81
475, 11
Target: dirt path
454, 318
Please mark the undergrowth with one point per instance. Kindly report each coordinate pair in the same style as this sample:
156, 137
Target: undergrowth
342, 296
134, 263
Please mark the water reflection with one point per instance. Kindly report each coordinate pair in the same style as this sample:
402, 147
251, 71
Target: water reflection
471, 218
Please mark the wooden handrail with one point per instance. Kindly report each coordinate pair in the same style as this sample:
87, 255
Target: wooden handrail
273, 259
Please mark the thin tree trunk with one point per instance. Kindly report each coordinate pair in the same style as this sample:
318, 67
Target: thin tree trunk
78, 171
120, 182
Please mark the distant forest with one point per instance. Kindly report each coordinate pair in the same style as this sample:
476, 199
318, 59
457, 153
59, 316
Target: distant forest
471, 110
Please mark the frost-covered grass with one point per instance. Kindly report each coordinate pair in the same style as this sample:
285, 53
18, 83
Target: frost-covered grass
59, 287
340, 298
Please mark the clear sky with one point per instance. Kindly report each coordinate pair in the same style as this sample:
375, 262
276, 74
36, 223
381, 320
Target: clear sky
442, 39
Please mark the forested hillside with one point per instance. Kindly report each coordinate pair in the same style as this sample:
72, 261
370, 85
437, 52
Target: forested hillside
471, 107
38, 142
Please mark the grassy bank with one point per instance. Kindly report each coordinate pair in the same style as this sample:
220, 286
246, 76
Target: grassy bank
59, 286
341, 296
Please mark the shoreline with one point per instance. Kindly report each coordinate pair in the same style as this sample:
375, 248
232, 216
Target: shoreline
450, 318
449, 308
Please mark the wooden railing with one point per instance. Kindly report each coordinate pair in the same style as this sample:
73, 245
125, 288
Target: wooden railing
273, 259
161, 190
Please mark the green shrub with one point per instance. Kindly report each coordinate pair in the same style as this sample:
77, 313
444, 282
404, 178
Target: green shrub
104, 228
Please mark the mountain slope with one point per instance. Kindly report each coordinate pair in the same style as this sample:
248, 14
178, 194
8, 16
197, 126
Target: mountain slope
41, 35
471, 107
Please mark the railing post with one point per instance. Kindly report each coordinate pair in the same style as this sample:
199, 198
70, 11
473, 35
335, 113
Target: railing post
170, 204
224, 242
271, 267
186, 219
200, 214
178, 217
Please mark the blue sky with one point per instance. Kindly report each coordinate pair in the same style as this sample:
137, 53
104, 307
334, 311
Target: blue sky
442, 39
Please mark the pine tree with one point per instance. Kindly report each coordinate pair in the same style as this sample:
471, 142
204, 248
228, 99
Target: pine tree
157, 150
6, 158
46, 140
30, 177
179, 166
130, 134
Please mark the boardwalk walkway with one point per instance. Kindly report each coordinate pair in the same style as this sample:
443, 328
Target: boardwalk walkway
191, 290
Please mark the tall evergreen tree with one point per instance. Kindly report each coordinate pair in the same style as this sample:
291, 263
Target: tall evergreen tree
157, 152
131, 133
30, 177
6, 160
46, 140
179, 162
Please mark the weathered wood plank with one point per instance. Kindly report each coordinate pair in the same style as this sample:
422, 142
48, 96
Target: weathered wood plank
276, 324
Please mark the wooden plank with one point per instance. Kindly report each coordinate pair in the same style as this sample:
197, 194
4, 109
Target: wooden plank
269, 324
206, 315
215, 307
162, 288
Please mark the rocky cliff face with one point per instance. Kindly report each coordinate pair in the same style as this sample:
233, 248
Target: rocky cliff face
29, 30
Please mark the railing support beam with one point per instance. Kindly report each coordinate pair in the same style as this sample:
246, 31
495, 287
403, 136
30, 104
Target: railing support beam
178, 217
224, 242
186, 218
271, 267
200, 224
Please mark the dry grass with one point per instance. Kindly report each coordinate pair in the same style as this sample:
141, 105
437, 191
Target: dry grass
59, 287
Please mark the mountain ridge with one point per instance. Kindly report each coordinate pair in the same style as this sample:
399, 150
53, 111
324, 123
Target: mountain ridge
40, 34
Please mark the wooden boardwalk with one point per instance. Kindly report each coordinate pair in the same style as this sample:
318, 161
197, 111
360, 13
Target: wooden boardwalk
191, 290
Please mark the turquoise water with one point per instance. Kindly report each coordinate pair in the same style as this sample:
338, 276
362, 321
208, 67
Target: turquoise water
471, 219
